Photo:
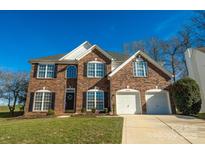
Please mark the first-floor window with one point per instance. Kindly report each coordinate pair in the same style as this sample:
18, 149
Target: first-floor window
95, 99
42, 101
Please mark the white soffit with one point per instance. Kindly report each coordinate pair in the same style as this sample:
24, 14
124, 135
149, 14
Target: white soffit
82, 50
91, 49
77, 51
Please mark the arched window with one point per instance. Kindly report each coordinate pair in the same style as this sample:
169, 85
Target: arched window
95, 100
95, 69
42, 100
140, 68
71, 71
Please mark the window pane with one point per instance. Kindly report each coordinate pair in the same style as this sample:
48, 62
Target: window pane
99, 70
140, 69
44, 69
90, 100
71, 72
91, 69
38, 101
47, 101
41, 70
37, 106
100, 100
50, 71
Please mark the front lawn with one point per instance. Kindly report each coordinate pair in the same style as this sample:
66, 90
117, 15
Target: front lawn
66, 130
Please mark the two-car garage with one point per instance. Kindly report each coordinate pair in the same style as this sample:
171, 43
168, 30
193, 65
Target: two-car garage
128, 101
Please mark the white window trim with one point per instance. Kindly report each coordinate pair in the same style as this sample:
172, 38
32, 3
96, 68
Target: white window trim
46, 71
67, 72
135, 68
40, 91
95, 102
95, 62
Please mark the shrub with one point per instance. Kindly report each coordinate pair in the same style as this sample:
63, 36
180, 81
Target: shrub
106, 110
21, 107
50, 112
186, 96
93, 110
83, 110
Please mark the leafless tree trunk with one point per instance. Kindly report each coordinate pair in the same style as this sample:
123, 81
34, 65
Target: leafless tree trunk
13, 87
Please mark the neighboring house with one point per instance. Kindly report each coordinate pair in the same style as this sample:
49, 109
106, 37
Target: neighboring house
89, 77
195, 60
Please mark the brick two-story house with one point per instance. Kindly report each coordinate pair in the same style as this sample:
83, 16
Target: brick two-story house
89, 77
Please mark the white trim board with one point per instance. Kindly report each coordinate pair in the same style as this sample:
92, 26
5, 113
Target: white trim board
76, 50
145, 56
82, 50
91, 49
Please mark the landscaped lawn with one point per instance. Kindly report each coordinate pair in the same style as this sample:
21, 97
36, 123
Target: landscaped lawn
65, 130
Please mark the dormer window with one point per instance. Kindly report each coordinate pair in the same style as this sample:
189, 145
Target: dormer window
140, 68
46, 71
95, 69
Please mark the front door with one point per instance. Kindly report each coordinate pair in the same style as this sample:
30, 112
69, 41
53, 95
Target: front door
70, 98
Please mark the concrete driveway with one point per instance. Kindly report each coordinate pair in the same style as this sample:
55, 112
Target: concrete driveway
162, 129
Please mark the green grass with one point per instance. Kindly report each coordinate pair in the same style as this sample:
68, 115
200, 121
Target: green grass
4, 112
4, 109
66, 130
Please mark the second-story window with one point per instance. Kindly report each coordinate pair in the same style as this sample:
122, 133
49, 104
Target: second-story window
95, 69
71, 71
140, 68
46, 71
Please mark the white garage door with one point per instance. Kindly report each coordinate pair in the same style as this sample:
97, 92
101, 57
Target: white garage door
158, 102
128, 103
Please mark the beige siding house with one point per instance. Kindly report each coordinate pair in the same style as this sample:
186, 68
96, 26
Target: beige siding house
195, 59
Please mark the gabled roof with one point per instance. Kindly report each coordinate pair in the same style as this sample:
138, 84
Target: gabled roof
77, 51
54, 58
82, 51
145, 56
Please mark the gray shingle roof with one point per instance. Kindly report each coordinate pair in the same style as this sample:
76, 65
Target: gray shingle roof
115, 55
118, 56
49, 58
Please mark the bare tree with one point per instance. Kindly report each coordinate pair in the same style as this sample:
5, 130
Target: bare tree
186, 38
154, 49
13, 86
171, 49
132, 47
152, 46
198, 28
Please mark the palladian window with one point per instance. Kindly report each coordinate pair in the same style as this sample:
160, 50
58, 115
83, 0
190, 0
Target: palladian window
42, 100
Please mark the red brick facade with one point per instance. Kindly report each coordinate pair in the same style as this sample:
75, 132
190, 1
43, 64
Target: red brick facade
124, 79
121, 80
60, 83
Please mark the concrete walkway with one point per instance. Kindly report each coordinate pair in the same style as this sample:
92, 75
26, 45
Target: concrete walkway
162, 129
